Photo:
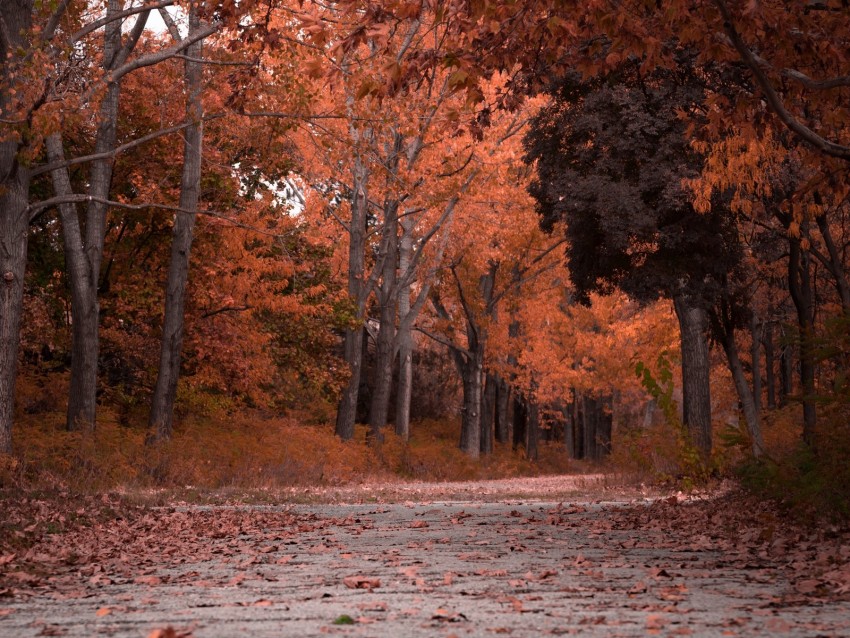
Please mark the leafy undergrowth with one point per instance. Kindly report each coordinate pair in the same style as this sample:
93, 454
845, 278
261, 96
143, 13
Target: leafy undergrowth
811, 482
248, 450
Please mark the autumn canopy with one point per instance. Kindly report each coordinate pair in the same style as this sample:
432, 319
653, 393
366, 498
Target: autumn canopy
554, 230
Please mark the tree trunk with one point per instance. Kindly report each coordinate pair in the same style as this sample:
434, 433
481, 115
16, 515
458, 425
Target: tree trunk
14, 220
605, 427
769, 364
748, 403
162, 405
696, 392
786, 373
590, 425
404, 336
347, 412
81, 406
520, 419
488, 413
800, 287
385, 356
578, 427
14, 223
502, 422
471, 366
569, 426
82, 391
532, 434
755, 355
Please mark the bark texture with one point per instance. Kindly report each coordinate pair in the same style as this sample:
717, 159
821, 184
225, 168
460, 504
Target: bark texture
162, 405
347, 412
14, 221
696, 390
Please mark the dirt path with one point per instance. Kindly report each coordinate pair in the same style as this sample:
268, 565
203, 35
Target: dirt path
525, 566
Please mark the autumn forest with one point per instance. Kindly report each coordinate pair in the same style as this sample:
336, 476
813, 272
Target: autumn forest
236, 237
424, 318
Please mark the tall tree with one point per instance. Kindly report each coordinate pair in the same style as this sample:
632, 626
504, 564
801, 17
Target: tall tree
611, 158
162, 403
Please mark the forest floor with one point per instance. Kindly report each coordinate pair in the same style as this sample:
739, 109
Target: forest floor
524, 557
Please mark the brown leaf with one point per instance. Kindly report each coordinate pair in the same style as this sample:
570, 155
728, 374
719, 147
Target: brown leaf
148, 580
361, 582
103, 611
419, 524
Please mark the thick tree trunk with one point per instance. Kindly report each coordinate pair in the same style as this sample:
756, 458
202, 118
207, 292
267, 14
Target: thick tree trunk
385, 356
696, 392
470, 431
404, 337
748, 404
347, 412
502, 425
756, 331
14, 223
14, 220
769, 365
488, 413
162, 405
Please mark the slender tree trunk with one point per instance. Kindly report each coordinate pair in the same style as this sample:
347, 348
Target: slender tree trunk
488, 413
756, 332
162, 405
520, 419
800, 286
347, 412
578, 427
590, 426
769, 365
786, 373
14, 220
532, 431
81, 406
569, 426
748, 403
605, 426
502, 422
696, 393
82, 391
404, 335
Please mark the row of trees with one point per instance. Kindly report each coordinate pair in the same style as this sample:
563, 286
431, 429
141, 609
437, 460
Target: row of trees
380, 173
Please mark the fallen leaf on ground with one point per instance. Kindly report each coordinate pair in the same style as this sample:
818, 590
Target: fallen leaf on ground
361, 582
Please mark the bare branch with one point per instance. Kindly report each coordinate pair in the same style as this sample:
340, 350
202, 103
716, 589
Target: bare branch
37, 208
773, 99
170, 24
46, 168
94, 26
155, 58
218, 311
442, 340
53, 21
